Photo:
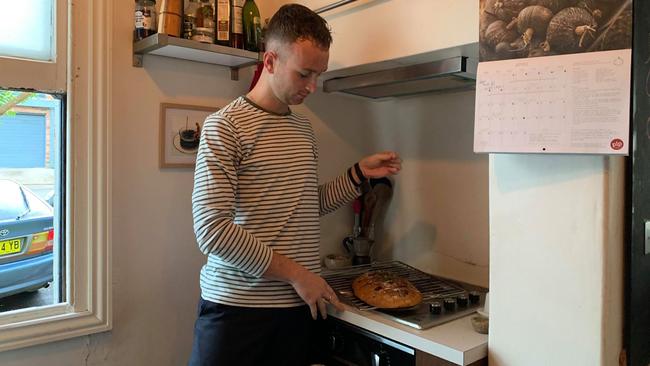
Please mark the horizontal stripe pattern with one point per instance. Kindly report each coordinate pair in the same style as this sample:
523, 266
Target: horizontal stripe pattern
256, 192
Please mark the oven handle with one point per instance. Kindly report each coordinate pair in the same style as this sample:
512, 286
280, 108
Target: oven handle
385, 341
380, 359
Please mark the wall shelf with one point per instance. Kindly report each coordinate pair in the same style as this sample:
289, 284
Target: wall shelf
164, 45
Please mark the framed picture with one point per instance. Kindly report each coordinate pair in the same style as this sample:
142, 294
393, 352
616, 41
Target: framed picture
180, 132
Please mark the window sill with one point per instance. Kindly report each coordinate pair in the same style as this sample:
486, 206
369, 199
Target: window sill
48, 324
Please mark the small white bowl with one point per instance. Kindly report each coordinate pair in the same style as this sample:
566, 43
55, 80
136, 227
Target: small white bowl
335, 261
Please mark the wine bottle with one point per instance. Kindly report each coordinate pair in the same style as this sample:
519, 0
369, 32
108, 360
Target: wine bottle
237, 24
222, 23
252, 26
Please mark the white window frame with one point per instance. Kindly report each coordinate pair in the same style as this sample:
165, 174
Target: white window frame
86, 27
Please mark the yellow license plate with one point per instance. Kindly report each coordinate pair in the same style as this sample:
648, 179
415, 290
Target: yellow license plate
9, 246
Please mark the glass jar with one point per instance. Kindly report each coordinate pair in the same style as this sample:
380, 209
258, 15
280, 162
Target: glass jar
145, 19
189, 18
205, 35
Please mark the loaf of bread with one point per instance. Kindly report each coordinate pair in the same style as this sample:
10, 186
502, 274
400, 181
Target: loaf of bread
386, 290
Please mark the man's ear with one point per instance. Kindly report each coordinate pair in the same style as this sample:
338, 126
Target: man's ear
270, 59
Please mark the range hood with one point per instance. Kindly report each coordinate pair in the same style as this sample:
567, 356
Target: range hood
446, 75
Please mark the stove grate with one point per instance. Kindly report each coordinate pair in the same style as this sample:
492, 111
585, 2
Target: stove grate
430, 286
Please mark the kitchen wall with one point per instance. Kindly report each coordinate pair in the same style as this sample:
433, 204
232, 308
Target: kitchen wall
556, 259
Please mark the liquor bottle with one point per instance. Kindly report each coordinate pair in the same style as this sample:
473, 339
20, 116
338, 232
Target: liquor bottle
145, 19
252, 26
223, 23
237, 24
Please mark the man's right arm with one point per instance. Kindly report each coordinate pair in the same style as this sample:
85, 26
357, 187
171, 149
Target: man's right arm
310, 287
213, 201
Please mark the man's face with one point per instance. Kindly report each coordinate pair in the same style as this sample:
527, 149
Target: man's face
296, 70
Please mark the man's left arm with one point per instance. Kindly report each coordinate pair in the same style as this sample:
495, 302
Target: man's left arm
346, 187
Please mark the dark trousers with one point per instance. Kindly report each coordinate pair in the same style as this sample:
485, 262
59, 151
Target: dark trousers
229, 335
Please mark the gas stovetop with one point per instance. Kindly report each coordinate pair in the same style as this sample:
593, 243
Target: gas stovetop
443, 300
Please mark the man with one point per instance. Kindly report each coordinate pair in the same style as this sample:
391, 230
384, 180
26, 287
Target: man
256, 207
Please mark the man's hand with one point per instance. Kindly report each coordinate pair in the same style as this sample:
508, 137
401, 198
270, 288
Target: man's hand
316, 293
310, 287
381, 164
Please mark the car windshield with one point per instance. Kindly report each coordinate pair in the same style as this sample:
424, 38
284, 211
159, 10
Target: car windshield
12, 202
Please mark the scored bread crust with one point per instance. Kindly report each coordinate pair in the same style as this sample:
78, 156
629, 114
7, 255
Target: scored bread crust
386, 290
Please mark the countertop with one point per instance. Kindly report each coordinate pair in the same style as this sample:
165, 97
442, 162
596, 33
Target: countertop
455, 341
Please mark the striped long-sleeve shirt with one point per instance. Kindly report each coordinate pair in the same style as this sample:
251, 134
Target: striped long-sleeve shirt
256, 192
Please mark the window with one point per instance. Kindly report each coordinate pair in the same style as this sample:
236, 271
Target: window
26, 29
31, 255
58, 132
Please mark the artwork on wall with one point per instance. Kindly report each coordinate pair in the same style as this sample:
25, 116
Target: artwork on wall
180, 132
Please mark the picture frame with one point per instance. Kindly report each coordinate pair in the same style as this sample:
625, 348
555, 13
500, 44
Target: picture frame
180, 131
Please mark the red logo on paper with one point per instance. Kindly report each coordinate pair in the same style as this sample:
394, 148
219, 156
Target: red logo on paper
616, 144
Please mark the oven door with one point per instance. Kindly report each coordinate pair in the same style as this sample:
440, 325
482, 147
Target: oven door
352, 346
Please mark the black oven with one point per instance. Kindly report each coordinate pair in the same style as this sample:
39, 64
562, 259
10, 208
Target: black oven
349, 345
